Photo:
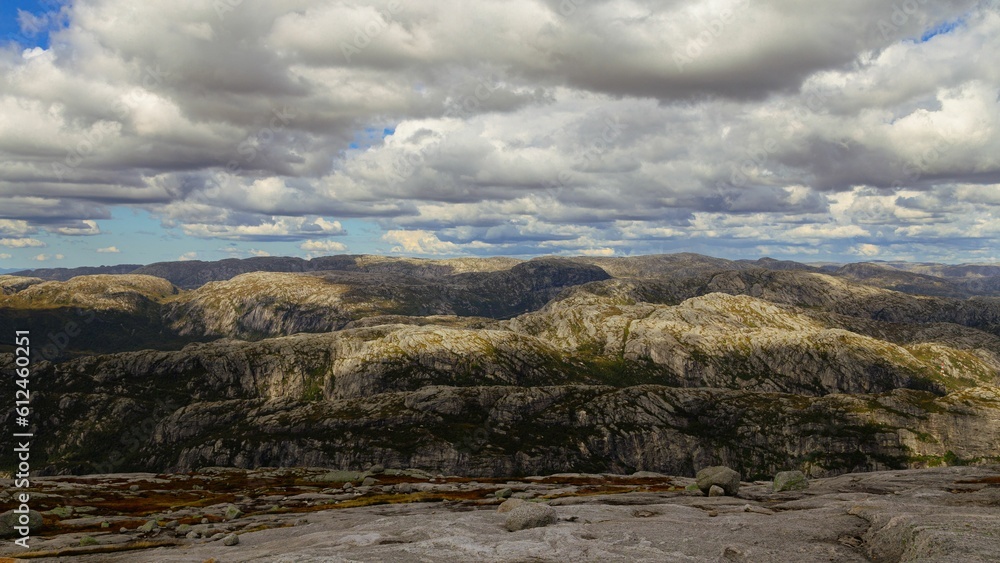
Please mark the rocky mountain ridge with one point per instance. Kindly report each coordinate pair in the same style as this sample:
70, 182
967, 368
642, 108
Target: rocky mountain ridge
513, 368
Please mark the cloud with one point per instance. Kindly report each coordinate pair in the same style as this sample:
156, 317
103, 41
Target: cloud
18, 228
109, 250
497, 126
47, 257
4, 256
21, 242
83, 228
187, 256
323, 246
419, 242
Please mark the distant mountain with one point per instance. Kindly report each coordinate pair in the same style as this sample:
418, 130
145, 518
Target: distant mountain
63, 274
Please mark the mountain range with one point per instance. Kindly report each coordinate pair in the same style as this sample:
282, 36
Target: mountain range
498, 366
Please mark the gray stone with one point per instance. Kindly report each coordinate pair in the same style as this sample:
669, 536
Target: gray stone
336, 477
530, 515
192, 535
790, 481
231, 539
376, 470
719, 475
87, 541
716, 491
149, 526
510, 504
9, 520
233, 513
183, 529
368, 482
62, 511
504, 493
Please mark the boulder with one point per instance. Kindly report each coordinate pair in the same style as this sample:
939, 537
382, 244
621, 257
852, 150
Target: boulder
719, 475
233, 512
716, 491
510, 504
9, 520
231, 539
790, 481
530, 515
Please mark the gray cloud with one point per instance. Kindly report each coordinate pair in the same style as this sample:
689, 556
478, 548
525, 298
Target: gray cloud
555, 125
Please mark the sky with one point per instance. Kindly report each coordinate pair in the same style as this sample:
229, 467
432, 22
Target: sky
139, 132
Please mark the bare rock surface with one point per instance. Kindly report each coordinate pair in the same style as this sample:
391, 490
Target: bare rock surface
937, 514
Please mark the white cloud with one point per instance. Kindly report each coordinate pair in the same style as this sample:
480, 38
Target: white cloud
260, 253
21, 242
419, 242
109, 250
323, 246
4, 256
83, 228
866, 250
20, 227
47, 257
188, 256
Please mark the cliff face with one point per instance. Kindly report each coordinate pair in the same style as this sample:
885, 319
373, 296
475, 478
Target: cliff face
543, 366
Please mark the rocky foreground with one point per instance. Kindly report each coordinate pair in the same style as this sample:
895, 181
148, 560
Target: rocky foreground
311, 514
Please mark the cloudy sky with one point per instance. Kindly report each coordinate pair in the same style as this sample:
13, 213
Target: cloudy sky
135, 132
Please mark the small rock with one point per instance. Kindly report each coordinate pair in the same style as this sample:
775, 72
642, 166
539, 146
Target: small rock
105, 524
233, 513
757, 509
87, 540
217, 537
504, 493
62, 511
404, 488
510, 504
713, 513
716, 491
719, 475
530, 515
231, 539
148, 527
183, 529
192, 535
376, 470
204, 520
790, 481
123, 530
133, 488
171, 525
368, 482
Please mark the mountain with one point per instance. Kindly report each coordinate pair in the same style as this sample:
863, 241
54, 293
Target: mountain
63, 274
505, 367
